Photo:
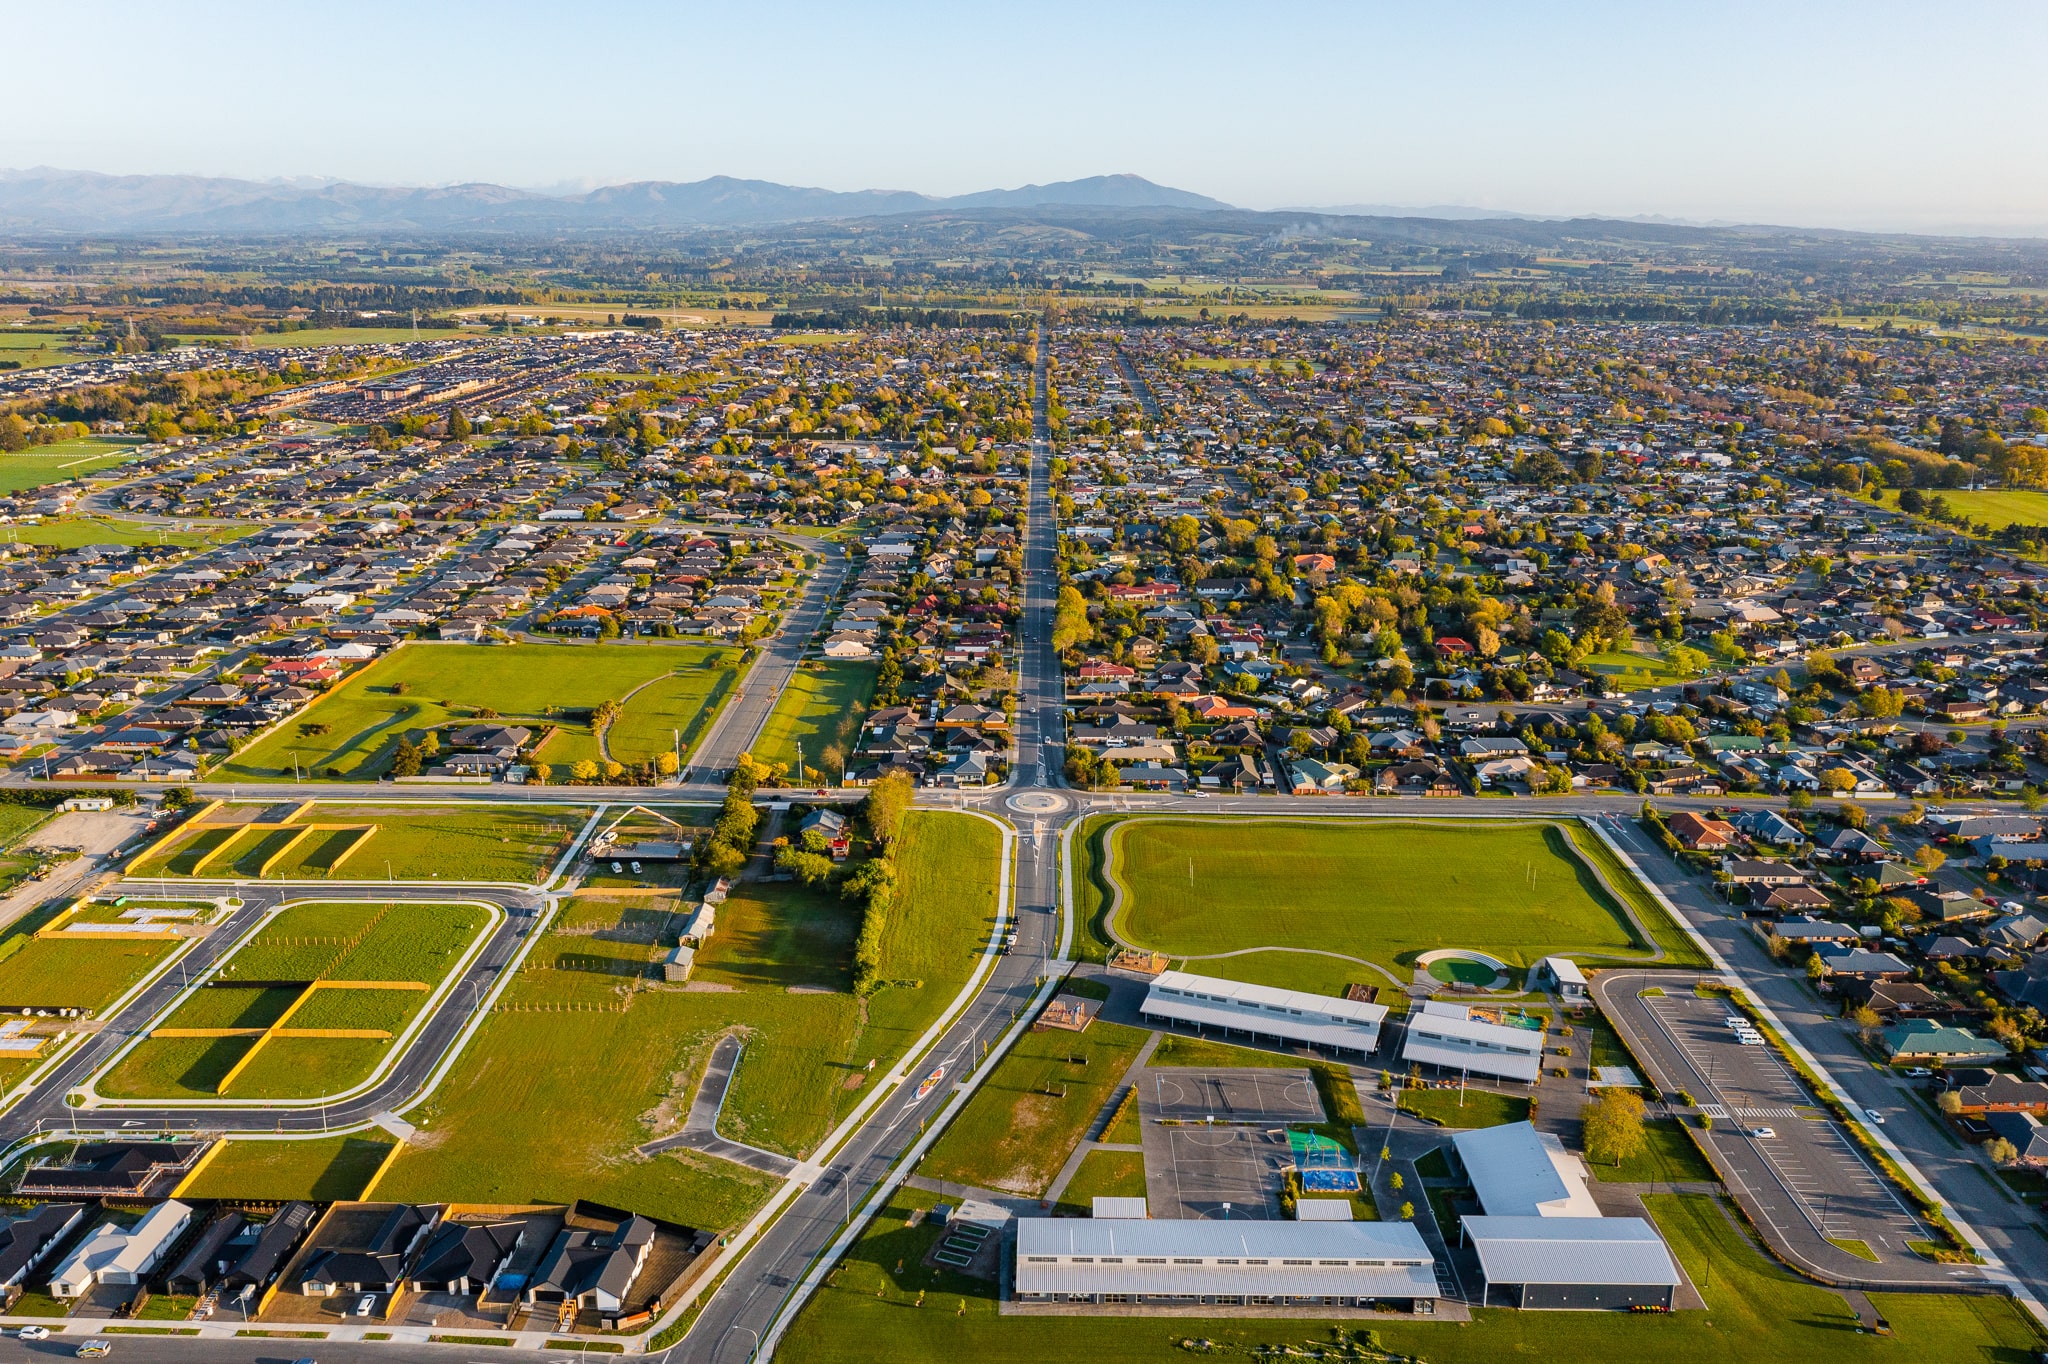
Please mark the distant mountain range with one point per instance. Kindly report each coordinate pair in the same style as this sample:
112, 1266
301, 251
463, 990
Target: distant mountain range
51, 200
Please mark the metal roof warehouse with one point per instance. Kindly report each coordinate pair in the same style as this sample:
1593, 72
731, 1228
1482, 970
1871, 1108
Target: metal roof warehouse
1202, 1002
1356, 1263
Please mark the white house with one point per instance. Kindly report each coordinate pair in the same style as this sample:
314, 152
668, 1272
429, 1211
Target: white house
120, 1255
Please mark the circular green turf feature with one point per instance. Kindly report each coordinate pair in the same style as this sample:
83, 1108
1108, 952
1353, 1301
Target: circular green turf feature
1459, 971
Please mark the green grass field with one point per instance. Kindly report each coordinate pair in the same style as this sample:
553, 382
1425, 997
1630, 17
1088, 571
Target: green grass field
1633, 669
34, 350
1668, 1156
537, 685
327, 940
1756, 1311
1383, 892
40, 465
1027, 1118
1457, 1108
332, 336
821, 708
558, 1087
323, 1170
1997, 508
1103, 1174
680, 706
77, 973
73, 532
519, 843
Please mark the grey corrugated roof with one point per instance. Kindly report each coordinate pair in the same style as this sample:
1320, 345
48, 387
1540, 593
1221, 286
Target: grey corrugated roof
1570, 1250
1374, 1259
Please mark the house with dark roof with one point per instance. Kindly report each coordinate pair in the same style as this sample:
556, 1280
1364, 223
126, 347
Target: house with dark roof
2026, 1133
593, 1266
114, 1169
464, 1257
26, 1241
363, 1248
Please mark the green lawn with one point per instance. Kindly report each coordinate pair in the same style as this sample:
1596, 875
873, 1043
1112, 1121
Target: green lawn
1756, 1311
324, 1169
821, 708
332, 336
781, 934
1103, 1174
1668, 1156
40, 465
33, 350
1380, 891
424, 686
1027, 1117
1091, 887
1458, 1108
1176, 1050
77, 973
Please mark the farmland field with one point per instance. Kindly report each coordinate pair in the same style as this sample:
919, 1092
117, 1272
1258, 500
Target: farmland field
1027, 1118
589, 1054
1382, 892
821, 709
1756, 1311
325, 1169
424, 686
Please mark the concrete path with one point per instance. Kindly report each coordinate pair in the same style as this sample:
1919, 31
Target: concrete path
700, 1129
1100, 1126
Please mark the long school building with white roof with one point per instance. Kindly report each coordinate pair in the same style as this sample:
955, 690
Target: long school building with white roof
1350, 1264
1344, 1027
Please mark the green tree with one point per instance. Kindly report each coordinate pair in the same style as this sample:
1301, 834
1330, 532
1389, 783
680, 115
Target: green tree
406, 761
887, 802
1070, 627
1614, 1125
458, 425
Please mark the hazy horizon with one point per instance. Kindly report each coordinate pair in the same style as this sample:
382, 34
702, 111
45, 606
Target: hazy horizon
1875, 117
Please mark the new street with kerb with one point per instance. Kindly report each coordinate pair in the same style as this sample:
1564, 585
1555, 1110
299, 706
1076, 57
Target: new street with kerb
774, 1264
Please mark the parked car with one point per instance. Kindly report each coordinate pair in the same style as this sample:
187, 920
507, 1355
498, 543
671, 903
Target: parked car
366, 1304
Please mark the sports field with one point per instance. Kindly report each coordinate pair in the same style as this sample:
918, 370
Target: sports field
424, 686
1756, 1311
821, 709
1382, 892
589, 1054
408, 943
44, 464
519, 843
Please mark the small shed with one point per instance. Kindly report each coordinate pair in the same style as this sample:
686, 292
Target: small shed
678, 964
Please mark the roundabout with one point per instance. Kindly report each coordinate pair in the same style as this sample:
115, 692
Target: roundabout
1036, 803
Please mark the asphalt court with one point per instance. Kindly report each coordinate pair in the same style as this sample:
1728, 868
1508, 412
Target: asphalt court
1233, 1096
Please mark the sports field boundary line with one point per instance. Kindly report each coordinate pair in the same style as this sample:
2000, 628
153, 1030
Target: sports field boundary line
1995, 1267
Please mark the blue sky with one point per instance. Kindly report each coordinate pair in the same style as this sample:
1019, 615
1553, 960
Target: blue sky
1923, 116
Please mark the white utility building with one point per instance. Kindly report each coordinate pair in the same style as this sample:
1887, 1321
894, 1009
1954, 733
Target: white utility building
1342, 1026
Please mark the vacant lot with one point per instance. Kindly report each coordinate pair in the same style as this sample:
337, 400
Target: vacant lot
1996, 508
672, 710
519, 843
323, 1170
821, 709
328, 940
590, 1055
76, 973
425, 686
1756, 1311
1027, 1118
1384, 892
